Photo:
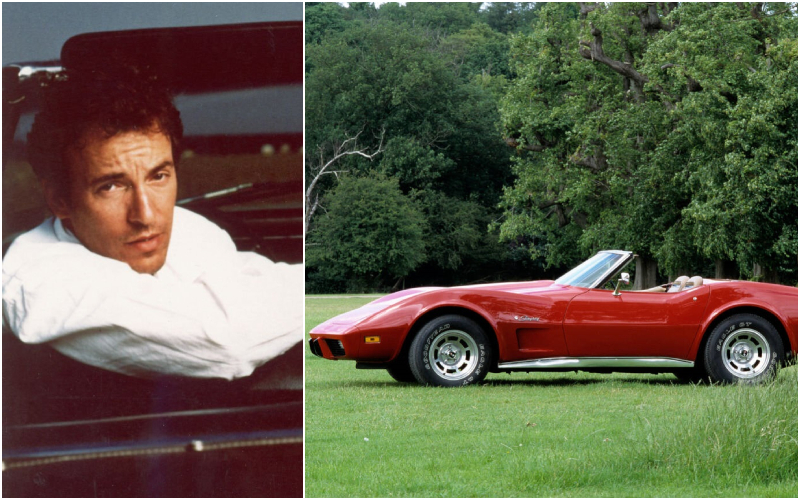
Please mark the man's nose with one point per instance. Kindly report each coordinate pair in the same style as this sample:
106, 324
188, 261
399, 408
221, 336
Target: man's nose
140, 209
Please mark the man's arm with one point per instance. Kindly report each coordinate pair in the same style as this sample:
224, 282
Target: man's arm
227, 321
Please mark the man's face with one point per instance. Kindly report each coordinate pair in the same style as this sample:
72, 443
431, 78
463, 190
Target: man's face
122, 196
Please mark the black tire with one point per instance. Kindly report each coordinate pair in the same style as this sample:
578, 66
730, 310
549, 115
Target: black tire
744, 348
450, 351
400, 371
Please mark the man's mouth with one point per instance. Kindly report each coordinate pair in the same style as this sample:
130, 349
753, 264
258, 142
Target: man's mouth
146, 243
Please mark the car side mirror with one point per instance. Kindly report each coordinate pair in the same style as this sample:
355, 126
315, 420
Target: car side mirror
623, 278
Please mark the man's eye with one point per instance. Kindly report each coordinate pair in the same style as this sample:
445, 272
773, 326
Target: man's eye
109, 187
160, 176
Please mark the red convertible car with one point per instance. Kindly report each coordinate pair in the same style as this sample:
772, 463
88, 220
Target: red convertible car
718, 330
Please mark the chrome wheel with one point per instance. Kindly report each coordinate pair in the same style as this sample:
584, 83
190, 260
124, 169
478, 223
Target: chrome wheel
744, 348
746, 353
450, 351
453, 354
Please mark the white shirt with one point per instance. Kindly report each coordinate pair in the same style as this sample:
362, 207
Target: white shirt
209, 312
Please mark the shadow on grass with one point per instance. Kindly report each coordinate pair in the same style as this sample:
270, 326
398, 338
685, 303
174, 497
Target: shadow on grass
565, 382
600, 379
550, 382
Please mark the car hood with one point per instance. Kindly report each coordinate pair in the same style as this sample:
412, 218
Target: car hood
349, 319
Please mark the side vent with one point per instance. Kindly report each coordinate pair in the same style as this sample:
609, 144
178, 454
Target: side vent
336, 347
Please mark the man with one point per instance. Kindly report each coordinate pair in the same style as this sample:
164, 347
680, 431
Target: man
120, 278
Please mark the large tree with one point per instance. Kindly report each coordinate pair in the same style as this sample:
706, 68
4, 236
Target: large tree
371, 234
421, 84
666, 129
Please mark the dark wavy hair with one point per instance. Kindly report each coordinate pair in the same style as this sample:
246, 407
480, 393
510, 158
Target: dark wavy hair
84, 102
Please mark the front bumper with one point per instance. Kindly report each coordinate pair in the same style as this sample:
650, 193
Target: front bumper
373, 346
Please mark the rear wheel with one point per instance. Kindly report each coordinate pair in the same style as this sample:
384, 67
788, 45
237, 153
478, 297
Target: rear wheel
743, 348
450, 351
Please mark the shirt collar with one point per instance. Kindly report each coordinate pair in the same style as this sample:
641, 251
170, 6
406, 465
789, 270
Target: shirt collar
62, 233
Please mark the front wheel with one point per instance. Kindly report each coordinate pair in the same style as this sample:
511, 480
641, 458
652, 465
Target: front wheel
450, 351
743, 348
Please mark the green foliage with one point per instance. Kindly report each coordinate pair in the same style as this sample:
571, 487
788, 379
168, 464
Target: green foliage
321, 19
414, 164
477, 50
375, 77
422, 81
456, 238
371, 234
666, 129
689, 158
510, 17
746, 207
447, 17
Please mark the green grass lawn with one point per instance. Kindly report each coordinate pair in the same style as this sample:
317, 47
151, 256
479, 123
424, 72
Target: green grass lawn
543, 435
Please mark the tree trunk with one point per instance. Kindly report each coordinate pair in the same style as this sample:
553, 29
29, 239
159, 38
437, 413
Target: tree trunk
646, 273
764, 274
758, 271
726, 269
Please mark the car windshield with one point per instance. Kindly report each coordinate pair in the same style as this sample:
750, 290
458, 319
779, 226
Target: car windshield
589, 272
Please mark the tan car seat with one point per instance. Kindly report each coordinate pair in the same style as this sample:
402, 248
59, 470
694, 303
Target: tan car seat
695, 281
679, 284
